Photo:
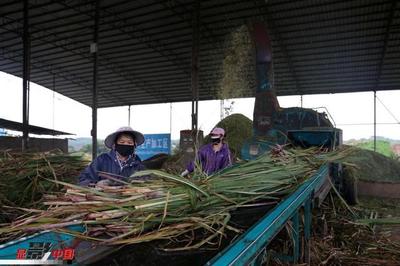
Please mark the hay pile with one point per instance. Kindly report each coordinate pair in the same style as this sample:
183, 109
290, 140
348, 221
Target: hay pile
373, 166
176, 163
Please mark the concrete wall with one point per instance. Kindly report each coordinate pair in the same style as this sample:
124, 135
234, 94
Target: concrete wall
35, 144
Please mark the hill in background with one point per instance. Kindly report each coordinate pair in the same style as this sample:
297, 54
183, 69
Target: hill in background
78, 143
385, 146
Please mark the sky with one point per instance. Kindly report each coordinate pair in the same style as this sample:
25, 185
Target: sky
53, 110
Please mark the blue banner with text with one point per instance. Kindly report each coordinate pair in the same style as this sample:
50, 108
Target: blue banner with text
154, 144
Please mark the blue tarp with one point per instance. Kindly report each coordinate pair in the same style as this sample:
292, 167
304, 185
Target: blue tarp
154, 144
3, 132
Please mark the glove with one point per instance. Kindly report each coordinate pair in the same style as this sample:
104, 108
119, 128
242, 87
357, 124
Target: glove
185, 173
103, 183
108, 183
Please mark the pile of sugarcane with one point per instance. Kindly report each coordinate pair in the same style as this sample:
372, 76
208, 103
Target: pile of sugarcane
25, 177
169, 207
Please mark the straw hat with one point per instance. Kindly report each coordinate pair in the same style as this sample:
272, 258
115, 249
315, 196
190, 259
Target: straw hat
110, 140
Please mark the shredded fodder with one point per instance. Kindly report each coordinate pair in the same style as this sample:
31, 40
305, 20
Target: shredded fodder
372, 166
238, 67
175, 163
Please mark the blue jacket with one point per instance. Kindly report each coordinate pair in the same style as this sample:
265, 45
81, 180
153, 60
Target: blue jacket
108, 162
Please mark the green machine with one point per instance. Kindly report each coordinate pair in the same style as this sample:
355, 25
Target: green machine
275, 125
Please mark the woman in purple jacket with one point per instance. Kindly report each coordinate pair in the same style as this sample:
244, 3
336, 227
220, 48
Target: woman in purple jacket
121, 160
214, 156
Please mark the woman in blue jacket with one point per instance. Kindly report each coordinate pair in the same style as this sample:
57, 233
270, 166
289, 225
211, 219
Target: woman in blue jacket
121, 160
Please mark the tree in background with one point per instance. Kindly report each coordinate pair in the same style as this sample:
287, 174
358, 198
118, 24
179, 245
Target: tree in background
101, 148
382, 146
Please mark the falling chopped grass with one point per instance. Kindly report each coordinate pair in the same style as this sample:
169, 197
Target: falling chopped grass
238, 67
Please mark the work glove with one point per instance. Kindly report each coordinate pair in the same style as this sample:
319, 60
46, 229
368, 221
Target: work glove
184, 173
107, 183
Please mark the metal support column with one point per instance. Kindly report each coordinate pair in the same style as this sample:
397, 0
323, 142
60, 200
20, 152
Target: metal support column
170, 119
129, 115
301, 101
94, 48
375, 121
25, 78
296, 237
54, 98
221, 107
307, 230
195, 63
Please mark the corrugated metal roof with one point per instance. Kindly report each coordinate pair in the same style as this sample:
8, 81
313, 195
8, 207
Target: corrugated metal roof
16, 126
145, 46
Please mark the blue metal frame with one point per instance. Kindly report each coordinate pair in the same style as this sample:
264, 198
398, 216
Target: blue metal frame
247, 249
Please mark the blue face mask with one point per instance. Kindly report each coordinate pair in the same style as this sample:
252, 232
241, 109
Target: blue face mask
125, 150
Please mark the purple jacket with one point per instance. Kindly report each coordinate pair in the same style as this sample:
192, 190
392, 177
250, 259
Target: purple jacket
108, 162
212, 161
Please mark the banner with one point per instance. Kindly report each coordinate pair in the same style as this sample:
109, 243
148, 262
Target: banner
154, 144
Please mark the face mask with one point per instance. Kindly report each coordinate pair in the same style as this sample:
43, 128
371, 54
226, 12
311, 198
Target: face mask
216, 141
124, 150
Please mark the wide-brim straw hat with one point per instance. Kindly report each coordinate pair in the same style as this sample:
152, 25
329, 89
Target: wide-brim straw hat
110, 140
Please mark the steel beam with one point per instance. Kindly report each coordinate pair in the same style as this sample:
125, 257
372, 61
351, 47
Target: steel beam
206, 32
375, 120
132, 31
69, 46
94, 48
195, 63
36, 6
296, 237
129, 115
389, 23
26, 77
307, 230
51, 70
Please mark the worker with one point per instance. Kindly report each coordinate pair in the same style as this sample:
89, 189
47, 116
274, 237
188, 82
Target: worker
121, 161
212, 157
